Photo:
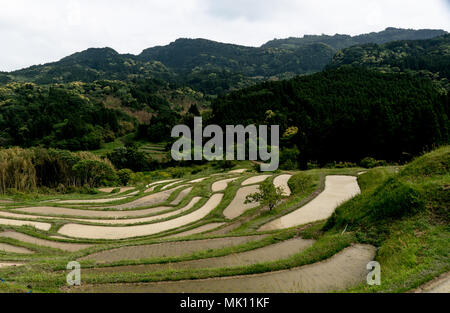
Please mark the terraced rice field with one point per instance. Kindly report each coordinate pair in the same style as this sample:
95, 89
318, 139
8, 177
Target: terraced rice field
338, 189
184, 230
343, 270
269, 253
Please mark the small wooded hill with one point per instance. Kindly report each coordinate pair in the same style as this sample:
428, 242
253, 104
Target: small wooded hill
429, 57
208, 66
343, 41
345, 114
82, 116
188, 55
91, 65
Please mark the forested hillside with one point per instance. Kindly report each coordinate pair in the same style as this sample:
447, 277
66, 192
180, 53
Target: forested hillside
345, 114
83, 116
91, 65
207, 66
343, 41
426, 57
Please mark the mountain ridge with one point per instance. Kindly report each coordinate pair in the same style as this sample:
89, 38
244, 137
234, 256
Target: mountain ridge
208, 66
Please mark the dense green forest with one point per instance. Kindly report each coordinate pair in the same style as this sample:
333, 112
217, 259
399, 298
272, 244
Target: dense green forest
429, 58
207, 66
343, 41
345, 114
82, 116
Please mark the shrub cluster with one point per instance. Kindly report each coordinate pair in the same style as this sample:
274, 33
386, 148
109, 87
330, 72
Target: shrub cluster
24, 170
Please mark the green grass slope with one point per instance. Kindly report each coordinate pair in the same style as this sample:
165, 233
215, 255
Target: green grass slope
406, 215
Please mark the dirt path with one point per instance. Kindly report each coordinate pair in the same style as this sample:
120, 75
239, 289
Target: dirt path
237, 207
43, 242
168, 249
55, 211
37, 225
342, 271
4, 247
255, 180
198, 230
338, 189
103, 232
278, 251
282, 181
222, 184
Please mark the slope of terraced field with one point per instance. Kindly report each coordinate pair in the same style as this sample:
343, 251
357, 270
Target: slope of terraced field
343, 270
195, 232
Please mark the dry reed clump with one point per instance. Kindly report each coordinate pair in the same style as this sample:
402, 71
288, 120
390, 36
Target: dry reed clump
17, 170
27, 169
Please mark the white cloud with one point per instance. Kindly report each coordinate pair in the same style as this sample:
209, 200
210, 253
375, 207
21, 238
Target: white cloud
35, 32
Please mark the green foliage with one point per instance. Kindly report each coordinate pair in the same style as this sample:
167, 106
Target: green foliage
160, 127
130, 157
56, 116
371, 163
343, 41
93, 173
208, 66
428, 58
91, 65
373, 178
394, 199
24, 170
268, 195
340, 164
225, 164
388, 198
434, 163
289, 158
406, 215
300, 182
124, 176
389, 116
177, 172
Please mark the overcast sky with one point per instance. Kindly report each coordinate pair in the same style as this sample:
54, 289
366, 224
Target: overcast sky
40, 31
